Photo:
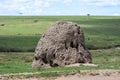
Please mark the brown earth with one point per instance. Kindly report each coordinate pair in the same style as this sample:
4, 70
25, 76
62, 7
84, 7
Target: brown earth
75, 77
83, 75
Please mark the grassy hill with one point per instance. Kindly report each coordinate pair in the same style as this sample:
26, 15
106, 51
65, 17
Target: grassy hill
21, 33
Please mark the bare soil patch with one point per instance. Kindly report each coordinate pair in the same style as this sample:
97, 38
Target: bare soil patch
82, 75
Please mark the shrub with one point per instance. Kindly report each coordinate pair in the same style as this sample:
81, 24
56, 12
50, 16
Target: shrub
35, 21
2, 24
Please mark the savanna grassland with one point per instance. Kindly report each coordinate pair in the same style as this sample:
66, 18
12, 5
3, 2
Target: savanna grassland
21, 33
19, 36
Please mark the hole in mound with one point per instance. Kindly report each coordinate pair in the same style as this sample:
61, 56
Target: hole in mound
53, 55
66, 46
55, 65
36, 58
44, 60
51, 62
74, 46
71, 44
77, 47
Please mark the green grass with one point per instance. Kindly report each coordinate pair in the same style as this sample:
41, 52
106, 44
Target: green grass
18, 43
21, 33
21, 62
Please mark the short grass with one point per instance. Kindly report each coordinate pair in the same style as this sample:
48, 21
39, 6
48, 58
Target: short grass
21, 62
21, 33
18, 43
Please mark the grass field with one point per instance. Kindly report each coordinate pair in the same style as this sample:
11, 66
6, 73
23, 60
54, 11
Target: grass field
21, 62
21, 33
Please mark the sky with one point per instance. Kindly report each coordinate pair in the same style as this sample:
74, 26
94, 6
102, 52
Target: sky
60, 7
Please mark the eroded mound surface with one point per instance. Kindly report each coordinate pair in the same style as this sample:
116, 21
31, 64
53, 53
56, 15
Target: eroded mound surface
62, 44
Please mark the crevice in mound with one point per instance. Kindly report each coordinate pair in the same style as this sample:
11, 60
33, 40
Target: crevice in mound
44, 58
77, 47
36, 58
55, 65
72, 45
66, 47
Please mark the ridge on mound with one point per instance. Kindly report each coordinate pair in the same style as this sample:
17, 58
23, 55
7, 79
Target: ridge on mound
62, 44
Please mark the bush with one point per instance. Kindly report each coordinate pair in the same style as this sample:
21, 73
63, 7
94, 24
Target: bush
35, 21
2, 24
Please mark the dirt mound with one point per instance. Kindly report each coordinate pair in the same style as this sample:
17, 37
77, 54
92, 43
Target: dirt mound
62, 44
